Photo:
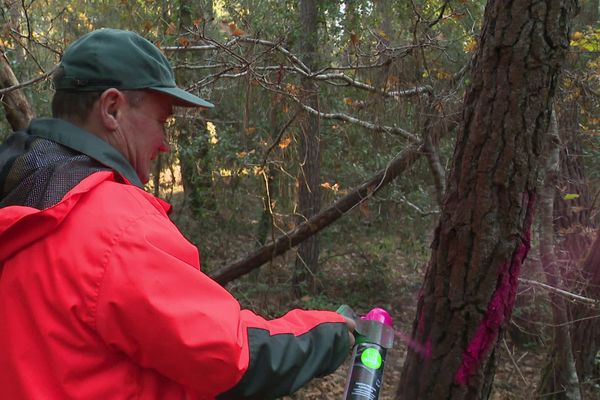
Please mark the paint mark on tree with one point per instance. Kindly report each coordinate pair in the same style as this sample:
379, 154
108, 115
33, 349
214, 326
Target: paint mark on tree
500, 306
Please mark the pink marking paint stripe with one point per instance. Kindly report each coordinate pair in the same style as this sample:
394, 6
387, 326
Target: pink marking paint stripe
500, 306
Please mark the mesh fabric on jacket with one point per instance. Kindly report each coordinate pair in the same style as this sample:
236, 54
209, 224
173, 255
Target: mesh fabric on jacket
37, 172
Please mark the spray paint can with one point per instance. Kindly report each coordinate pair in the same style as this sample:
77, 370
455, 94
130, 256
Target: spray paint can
374, 336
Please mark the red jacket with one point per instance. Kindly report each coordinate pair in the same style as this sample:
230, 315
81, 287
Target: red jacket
102, 298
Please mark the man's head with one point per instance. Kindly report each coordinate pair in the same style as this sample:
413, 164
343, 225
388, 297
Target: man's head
120, 87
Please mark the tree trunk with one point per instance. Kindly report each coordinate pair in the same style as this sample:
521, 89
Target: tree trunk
16, 106
484, 231
573, 222
574, 227
431, 135
309, 177
559, 378
585, 331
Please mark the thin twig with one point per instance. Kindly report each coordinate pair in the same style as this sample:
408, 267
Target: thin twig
278, 139
514, 362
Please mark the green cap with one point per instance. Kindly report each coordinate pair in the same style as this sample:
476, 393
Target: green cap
113, 58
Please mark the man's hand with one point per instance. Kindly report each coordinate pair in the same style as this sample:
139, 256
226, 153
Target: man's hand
351, 327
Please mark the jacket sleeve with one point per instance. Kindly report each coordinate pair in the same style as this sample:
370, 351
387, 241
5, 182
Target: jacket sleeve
282, 362
155, 305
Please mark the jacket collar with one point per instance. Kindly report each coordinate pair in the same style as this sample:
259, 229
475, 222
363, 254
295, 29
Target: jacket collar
80, 140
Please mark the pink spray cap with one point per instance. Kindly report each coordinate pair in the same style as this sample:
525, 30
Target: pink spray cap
379, 315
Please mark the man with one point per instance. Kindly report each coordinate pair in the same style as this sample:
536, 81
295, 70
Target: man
100, 295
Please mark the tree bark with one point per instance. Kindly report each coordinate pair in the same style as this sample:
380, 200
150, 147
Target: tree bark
16, 106
484, 231
309, 177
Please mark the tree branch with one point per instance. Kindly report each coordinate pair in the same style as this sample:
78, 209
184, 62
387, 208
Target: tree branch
42, 77
297, 67
17, 107
377, 128
360, 85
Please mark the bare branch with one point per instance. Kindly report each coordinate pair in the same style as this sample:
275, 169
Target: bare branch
298, 67
214, 45
402, 199
337, 116
361, 85
320, 77
295, 60
369, 125
210, 79
29, 82
562, 292
206, 66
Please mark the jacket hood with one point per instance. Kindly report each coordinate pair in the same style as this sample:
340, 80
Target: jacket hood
20, 225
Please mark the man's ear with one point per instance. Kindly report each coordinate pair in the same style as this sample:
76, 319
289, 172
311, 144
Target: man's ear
110, 104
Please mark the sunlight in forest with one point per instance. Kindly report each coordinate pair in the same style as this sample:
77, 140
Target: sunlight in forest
212, 133
170, 181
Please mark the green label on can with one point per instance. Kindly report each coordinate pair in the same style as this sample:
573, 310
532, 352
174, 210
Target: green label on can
371, 358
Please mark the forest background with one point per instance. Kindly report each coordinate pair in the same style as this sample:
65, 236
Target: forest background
346, 116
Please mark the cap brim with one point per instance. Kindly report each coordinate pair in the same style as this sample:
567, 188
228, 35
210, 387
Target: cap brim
184, 99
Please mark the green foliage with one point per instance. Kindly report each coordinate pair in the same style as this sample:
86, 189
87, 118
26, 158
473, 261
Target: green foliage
319, 302
589, 40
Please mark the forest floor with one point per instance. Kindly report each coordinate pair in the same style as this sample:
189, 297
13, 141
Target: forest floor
517, 373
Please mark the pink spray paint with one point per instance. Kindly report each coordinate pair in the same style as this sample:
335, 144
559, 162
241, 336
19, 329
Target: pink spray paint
424, 350
500, 306
382, 316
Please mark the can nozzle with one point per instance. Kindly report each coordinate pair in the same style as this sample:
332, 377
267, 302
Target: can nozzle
379, 315
374, 327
